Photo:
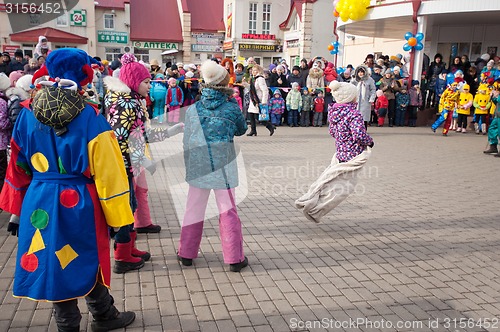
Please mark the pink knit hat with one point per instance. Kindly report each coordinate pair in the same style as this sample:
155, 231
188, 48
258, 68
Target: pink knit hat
14, 76
132, 73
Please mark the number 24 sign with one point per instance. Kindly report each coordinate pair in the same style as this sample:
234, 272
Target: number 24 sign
78, 17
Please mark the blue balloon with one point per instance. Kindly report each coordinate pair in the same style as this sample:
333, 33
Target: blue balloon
406, 47
332, 52
340, 70
419, 36
335, 44
335, 51
408, 35
419, 46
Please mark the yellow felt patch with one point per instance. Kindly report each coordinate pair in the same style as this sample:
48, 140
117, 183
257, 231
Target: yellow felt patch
40, 162
66, 255
36, 243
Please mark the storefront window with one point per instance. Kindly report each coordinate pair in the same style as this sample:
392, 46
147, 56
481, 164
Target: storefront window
112, 53
141, 54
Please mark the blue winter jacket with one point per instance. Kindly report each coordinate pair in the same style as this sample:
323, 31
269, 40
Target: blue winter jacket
209, 153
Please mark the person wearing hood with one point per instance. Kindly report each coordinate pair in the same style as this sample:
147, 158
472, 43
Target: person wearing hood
128, 117
5, 66
315, 79
42, 47
158, 95
365, 92
17, 94
278, 79
330, 73
276, 107
435, 69
57, 178
211, 164
390, 87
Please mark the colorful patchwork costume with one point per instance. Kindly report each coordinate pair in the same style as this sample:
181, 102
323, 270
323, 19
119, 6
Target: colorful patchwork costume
66, 180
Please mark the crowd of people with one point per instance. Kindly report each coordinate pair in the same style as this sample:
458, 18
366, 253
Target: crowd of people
88, 165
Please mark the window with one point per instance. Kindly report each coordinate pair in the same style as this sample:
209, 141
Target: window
252, 18
295, 25
141, 54
266, 19
35, 19
109, 21
112, 53
62, 21
197, 56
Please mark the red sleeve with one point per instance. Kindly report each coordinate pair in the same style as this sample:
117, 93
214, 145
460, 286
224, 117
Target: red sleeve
17, 181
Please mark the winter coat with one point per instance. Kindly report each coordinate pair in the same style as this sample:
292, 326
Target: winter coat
315, 79
16, 65
128, 118
348, 129
262, 94
16, 97
402, 100
330, 75
415, 97
294, 100
175, 96
5, 125
377, 78
433, 74
277, 105
274, 81
307, 102
390, 87
239, 76
297, 79
381, 102
319, 104
366, 92
210, 127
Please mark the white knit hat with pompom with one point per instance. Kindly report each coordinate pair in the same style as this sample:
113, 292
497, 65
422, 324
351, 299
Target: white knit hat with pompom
212, 72
343, 93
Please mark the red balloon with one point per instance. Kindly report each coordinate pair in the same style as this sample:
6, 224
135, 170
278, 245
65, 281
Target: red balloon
412, 41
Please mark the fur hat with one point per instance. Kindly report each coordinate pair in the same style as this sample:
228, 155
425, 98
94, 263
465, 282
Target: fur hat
4, 82
379, 93
14, 76
343, 93
69, 63
212, 72
132, 73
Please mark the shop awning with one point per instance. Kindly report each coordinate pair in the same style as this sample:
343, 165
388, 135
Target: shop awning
206, 15
52, 35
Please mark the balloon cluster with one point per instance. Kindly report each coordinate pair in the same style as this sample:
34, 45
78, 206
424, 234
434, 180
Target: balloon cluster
413, 41
350, 9
334, 47
340, 70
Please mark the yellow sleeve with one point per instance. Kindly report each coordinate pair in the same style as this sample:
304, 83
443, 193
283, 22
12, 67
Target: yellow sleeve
108, 170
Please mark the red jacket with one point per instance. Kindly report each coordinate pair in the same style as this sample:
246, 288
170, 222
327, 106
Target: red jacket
381, 102
319, 104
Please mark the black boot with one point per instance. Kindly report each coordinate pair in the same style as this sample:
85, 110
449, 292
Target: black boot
185, 261
238, 266
271, 130
252, 133
492, 149
120, 320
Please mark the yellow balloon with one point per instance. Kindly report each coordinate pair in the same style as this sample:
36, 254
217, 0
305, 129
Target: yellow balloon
344, 16
366, 3
354, 15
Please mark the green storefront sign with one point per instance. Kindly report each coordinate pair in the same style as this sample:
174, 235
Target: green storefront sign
104, 36
156, 45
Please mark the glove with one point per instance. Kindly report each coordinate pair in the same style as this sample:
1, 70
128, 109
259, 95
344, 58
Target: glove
372, 144
176, 129
13, 227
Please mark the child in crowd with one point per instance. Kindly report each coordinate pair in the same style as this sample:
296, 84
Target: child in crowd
463, 108
416, 101
402, 100
236, 95
482, 104
381, 105
447, 104
175, 98
319, 106
307, 106
294, 105
276, 107
493, 130
440, 87
158, 95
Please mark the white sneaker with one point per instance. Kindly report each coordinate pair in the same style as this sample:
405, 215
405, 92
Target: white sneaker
458, 129
464, 130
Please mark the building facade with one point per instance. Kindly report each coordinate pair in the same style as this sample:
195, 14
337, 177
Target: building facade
252, 29
451, 27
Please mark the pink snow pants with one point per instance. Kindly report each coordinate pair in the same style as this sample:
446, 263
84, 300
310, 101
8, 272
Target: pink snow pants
142, 216
174, 113
229, 224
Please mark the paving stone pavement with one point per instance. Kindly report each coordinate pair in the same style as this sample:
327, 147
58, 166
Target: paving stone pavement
418, 244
